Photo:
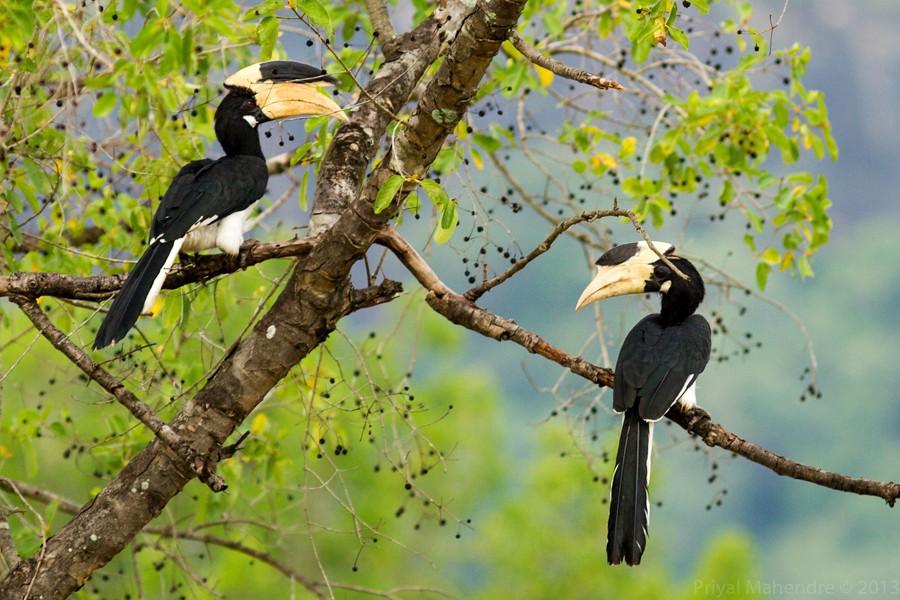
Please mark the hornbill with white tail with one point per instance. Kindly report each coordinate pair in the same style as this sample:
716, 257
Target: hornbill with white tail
208, 200
658, 365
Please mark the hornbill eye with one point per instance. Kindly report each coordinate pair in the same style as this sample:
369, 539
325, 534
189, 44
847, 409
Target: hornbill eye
250, 104
661, 271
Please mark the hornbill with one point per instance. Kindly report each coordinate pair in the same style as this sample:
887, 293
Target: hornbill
658, 365
208, 200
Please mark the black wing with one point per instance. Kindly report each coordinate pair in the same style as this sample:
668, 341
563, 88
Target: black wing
656, 364
205, 191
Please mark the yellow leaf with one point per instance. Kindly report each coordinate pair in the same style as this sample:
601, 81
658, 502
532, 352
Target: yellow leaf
5, 46
786, 260
476, 159
462, 130
629, 145
4, 452
259, 424
510, 50
603, 159
157, 306
660, 34
545, 75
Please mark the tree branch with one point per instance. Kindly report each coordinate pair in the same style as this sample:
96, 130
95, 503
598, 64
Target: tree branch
561, 69
448, 95
355, 144
191, 270
699, 423
203, 467
382, 28
460, 310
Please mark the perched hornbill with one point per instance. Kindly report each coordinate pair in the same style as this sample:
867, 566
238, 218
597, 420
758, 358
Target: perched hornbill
209, 200
659, 362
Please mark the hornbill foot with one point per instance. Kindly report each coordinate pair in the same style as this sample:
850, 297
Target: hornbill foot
205, 467
696, 415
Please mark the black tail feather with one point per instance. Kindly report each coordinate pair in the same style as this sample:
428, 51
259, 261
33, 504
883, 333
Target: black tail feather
629, 509
126, 307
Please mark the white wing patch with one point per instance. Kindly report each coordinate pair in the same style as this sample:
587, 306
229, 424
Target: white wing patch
230, 235
647, 483
688, 395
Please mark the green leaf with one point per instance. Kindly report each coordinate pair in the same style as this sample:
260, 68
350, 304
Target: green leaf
804, 267
105, 105
632, 186
727, 193
147, 39
771, 256
266, 36
750, 241
762, 275
447, 206
755, 220
489, 143
266, 8
387, 193
679, 36
552, 22
315, 12
434, 191
303, 194
14, 200
701, 5
448, 223
448, 215
673, 14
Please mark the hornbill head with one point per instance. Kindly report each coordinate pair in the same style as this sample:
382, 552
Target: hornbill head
283, 88
630, 269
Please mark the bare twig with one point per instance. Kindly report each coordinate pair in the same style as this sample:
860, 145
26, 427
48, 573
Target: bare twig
476, 292
202, 467
561, 69
42, 526
260, 555
40, 494
640, 229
